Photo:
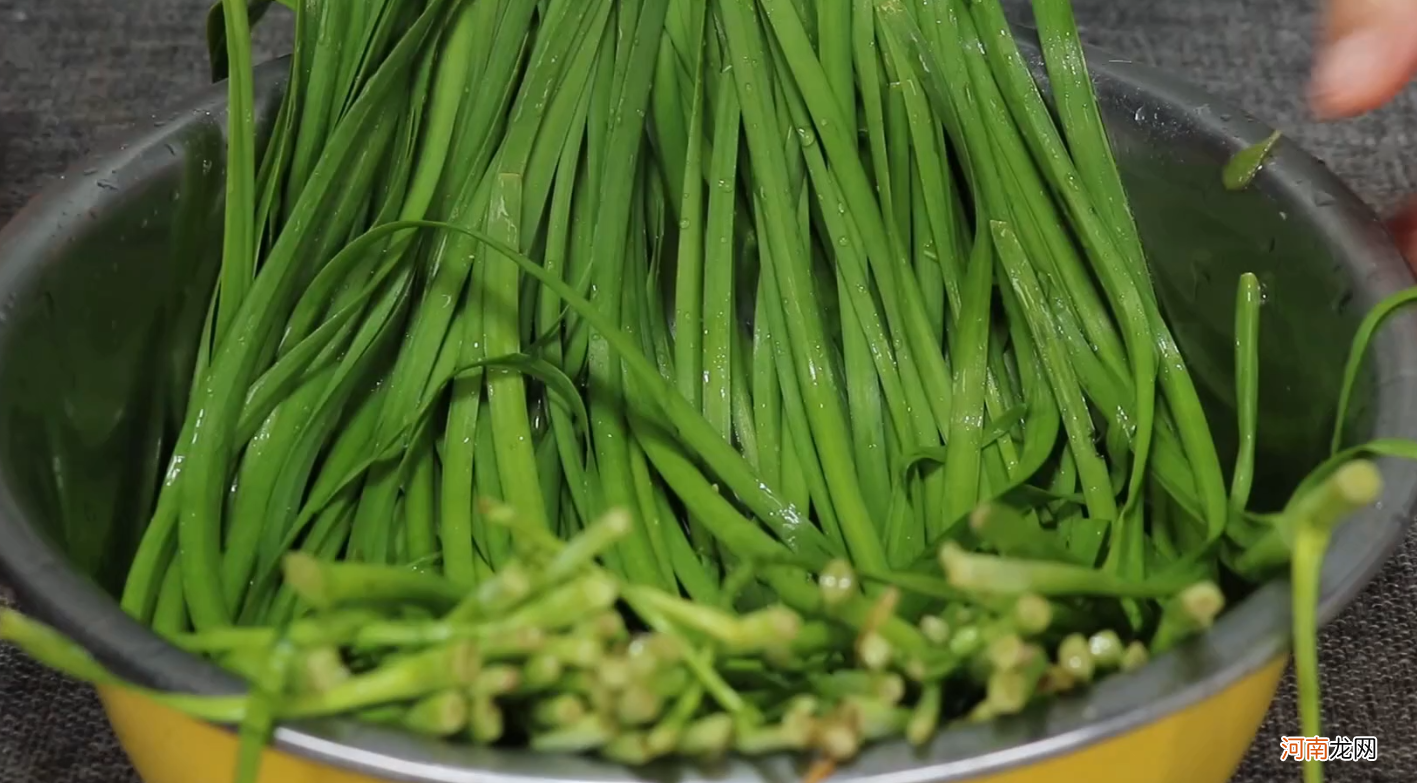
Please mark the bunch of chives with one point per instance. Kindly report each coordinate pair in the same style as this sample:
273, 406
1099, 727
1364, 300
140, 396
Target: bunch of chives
668, 377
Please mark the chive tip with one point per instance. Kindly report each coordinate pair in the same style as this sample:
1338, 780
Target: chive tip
1359, 481
305, 576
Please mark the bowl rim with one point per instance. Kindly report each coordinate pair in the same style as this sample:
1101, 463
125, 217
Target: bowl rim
1245, 639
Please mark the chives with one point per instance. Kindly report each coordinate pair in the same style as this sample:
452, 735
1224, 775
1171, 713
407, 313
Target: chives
633, 372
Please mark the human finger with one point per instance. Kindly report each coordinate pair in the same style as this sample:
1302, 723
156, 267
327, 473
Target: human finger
1367, 53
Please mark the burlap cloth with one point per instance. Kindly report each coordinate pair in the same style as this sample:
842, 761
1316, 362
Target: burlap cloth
76, 71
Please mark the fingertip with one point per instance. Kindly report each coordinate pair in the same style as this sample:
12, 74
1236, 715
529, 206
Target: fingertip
1403, 227
1329, 103
1362, 70
1349, 103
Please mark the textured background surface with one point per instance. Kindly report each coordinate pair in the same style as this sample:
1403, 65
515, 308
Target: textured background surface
76, 71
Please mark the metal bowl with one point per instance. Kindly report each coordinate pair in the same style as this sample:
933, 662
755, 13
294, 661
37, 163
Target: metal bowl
103, 282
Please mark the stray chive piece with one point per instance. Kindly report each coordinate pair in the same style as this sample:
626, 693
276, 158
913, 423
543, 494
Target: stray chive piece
1242, 168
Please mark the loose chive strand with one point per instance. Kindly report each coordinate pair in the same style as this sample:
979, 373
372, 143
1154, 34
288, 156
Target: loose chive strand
1081, 120
654, 314
795, 487
506, 391
170, 614
280, 149
1042, 420
928, 273
834, 48
1248, 300
1358, 354
635, 301
493, 541
872, 87
802, 475
718, 306
744, 426
971, 350
650, 512
549, 318
357, 23
672, 127
327, 37
863, 394
581, 264
938, 195
696, 577
239, 230
419, 508
899, 154
689, 300
460, 434
767, 394
449, 83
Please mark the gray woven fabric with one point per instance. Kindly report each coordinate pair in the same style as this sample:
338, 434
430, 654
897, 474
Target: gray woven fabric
75, 71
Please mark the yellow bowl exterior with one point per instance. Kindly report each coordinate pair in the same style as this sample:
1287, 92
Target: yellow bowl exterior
167, 747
